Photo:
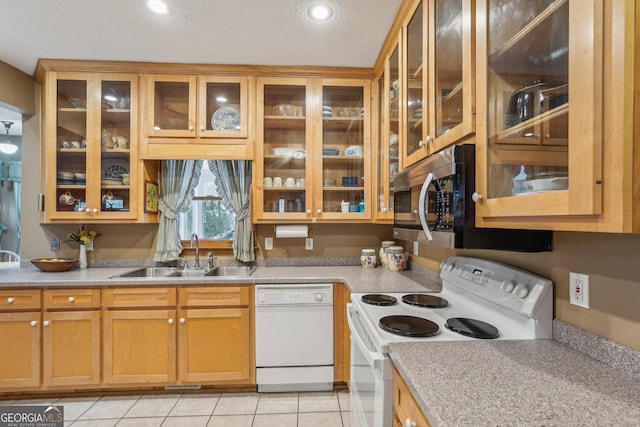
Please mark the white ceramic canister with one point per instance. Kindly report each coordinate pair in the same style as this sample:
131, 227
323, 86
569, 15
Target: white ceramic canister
368, 258
396, 259
382, 254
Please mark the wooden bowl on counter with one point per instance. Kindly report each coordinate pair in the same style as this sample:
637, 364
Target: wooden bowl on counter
54, 265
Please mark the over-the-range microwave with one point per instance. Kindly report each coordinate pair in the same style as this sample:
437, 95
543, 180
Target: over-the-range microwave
433, 205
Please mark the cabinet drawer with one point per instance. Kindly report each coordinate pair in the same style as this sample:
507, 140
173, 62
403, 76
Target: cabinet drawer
71, 298
214, 296
405, 406
19, 299
138, 297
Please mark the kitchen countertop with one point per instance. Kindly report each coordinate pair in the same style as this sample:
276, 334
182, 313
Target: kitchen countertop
356, 278
515, 383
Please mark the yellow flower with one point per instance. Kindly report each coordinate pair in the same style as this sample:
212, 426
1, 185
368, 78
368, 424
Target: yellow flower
83, 236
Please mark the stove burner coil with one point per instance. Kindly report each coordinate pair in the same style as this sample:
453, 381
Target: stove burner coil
472, 328
409, 326
425, 300
379, 299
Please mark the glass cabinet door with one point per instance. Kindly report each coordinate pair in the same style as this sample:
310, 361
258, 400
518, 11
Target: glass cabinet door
115, 146
414, 110
71, 146
388, 152
282, 149
452, 72
343, 151
171, 105
223, 107
543, 135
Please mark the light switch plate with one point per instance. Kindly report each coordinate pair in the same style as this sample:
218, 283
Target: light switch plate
268, 243
54, 243
308, 243
415, 248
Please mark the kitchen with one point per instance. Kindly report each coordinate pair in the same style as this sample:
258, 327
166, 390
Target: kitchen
607, 257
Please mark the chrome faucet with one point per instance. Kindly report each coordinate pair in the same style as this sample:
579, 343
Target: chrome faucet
197, 261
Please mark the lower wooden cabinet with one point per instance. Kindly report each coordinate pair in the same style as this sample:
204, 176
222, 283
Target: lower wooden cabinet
341, 334
406, 412
71, 348
139, 346
214, 345
20, 350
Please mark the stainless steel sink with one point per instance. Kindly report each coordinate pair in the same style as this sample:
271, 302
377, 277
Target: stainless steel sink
159, 272
152, 272
232, 271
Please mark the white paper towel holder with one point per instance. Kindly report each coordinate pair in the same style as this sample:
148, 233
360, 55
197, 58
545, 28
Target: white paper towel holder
291, 231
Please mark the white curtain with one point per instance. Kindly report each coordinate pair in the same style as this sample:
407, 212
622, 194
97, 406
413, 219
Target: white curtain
179, 178
15, 176
233, 180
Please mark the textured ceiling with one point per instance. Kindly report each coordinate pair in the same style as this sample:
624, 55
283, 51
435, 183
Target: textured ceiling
266, 32
252, 32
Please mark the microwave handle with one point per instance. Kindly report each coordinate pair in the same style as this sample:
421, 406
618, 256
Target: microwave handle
422, 206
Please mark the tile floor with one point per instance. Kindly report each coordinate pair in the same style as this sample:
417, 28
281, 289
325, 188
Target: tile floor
309, 409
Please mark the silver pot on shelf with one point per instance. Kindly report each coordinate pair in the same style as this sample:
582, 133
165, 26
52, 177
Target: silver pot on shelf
535, 99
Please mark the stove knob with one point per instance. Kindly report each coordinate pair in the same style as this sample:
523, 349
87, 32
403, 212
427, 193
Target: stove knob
521, 290
318, 297
507, 286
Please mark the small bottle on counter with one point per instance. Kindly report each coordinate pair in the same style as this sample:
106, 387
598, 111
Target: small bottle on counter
396, 258
368, 258
382, 254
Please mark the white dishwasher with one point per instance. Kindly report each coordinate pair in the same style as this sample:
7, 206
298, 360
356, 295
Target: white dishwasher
294, 337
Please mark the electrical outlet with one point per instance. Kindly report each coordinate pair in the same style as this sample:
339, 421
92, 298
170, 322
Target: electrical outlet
54, 243
89, 246
268, 243
579, 289
308, 243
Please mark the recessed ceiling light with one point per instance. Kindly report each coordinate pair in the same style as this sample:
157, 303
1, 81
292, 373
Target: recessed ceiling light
158, 6
320, 11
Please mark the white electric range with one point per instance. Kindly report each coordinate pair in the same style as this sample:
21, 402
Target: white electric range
480, 299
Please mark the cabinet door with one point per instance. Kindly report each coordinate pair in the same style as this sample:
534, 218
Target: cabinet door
540, 83
71, 348
342, 151
214, 345
387, 151
406, 411
283, 184
171, 106
223, 110
139, 347
451, 72
117, 193
20, 355
414, 83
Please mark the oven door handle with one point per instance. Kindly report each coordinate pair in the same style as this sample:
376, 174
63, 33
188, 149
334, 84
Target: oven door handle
422, 208
376, 360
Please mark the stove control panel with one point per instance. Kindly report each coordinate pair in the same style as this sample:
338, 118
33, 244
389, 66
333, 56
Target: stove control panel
516, 289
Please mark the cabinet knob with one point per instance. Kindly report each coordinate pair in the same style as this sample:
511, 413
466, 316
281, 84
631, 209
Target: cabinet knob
87, 210
45, 323
308, 211
170, 321
191, 128
71, 299
319, 211
10, 300
34, 323
429, 139
476, 197
409, 423
414, 212
182, 320
421, 143
201, 128
94, 210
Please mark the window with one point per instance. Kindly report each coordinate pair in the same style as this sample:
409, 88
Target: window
207, 216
